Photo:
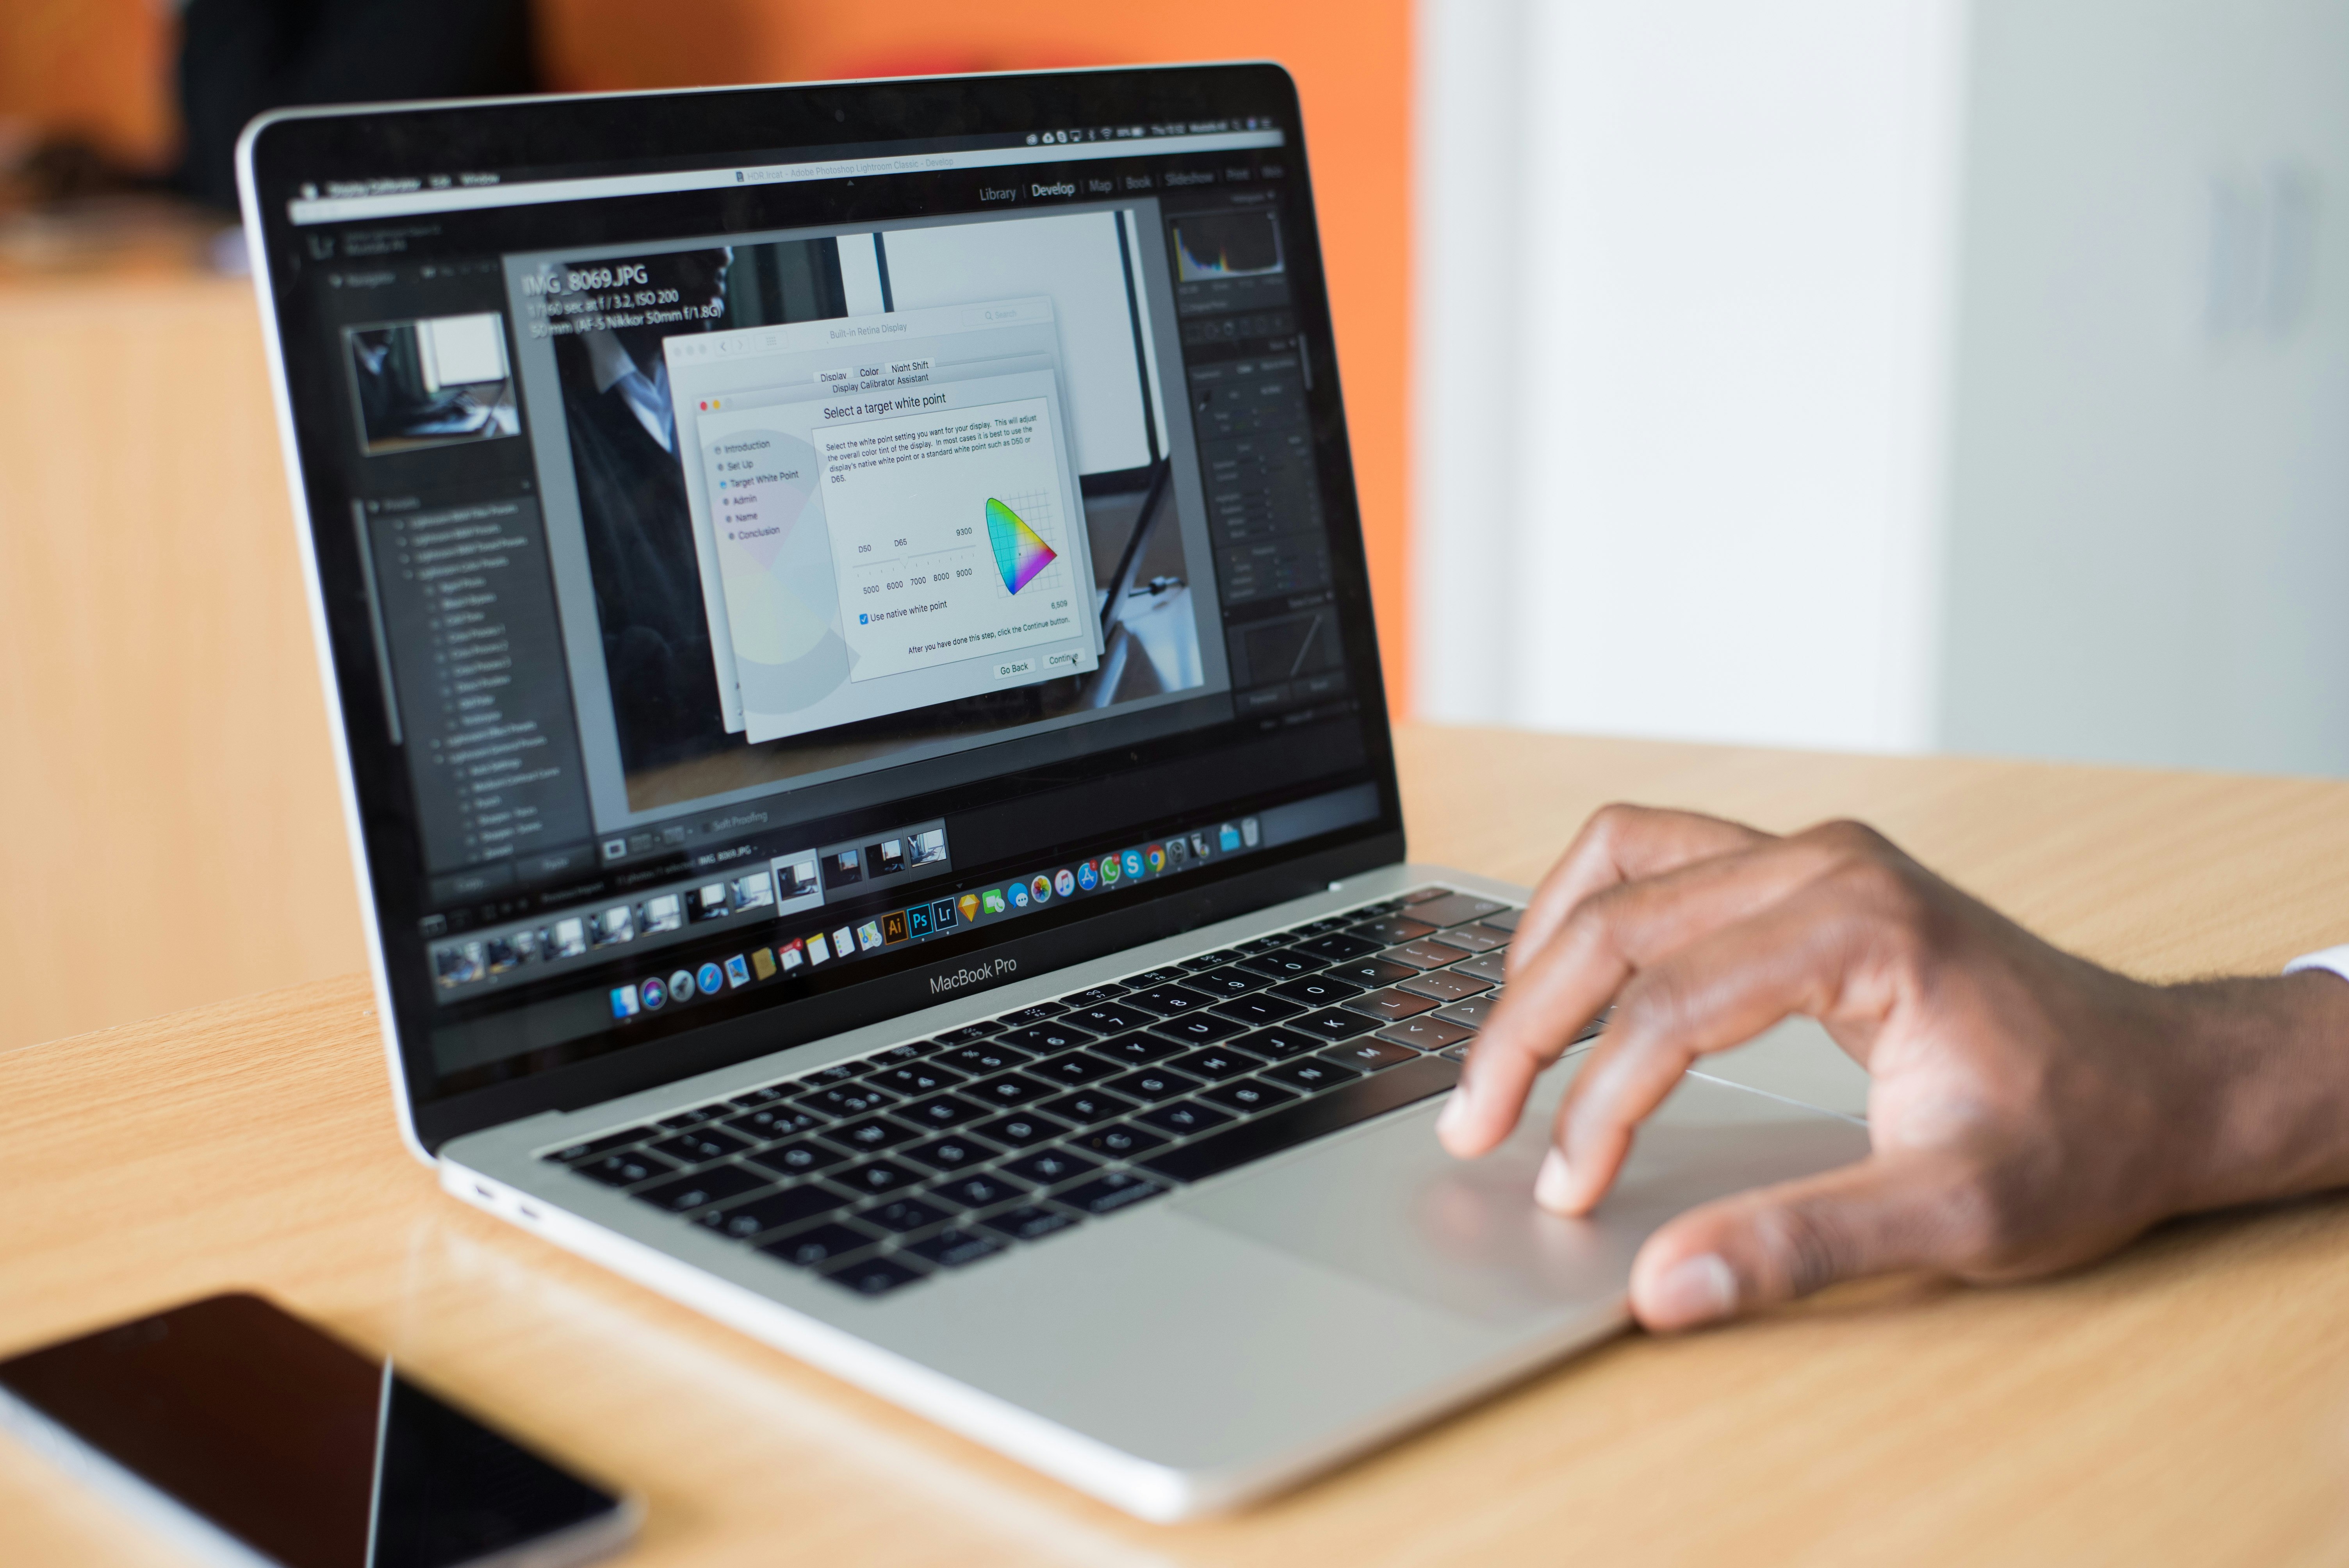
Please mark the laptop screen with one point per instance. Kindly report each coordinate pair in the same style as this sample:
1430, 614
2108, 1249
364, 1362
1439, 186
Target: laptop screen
792, 555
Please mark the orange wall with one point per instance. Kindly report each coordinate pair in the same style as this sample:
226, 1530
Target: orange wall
98, 70
102, 67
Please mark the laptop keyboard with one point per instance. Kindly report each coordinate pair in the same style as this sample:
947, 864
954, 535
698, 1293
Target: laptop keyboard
877, 1173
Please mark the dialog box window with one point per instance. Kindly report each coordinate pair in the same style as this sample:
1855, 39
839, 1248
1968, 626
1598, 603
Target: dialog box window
886, 509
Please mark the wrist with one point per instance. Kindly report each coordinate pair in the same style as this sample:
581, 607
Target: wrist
2268, 1088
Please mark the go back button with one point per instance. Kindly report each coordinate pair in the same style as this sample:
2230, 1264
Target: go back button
1007, 668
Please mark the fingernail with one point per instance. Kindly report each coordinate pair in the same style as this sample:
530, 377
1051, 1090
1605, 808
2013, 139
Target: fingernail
1695, 1290
1454, 1116
1553, 1186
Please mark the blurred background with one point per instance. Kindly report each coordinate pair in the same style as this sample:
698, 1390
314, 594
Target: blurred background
1888, 374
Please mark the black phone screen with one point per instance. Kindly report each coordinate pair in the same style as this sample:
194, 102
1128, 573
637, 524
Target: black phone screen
308, 1452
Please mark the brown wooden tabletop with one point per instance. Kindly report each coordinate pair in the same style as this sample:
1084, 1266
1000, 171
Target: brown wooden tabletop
2188, 1401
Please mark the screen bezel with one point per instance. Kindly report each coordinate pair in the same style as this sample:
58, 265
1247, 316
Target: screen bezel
720, 125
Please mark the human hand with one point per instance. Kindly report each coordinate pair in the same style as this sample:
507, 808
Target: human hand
2028, 1110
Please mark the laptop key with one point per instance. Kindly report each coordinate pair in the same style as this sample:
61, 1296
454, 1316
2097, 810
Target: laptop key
1493, 966
693, 1118
699, 1146
899, 1055
751, 1100
681, 1194
1424, 953
624, 1170
1021, 1131
1252, 1012
1432, 1033
1311, 1074
1389, 929
1219, 1062
875, 1276
1092, 996
1371, 972
1470, 1013
1457, 909
1391, 1005
819, 1244
970, 1034
1285, 963
1248, 1096
1335, 1024
1444, 985
1131, 1050
839, 1072
1185, 1118
1152, 1085
953, 1247
1086, 1108
1045, 1039
1420, 895
1505, 920
1119, 1141
1076, 1067
1028, 1222
949, 1153
847, 1100
1350, 1103
875, 1176
1171, 1000
1118, 1190
1200, 1028
919, 1078
1338, 946
870, 1135
987, 1059
981, 1192
1229, 981
1051, 1167
1112, 1017
1475, 938
1371, 1055
803, 1157
1280, 1044
902, 1217
1154, 978
1009, 1089
1035, 1014
777, 1211
939, 1112
571, 1153
1316, 990
774, 1121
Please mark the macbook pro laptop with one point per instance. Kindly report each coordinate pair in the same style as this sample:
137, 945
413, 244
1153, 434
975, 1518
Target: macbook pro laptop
847, 630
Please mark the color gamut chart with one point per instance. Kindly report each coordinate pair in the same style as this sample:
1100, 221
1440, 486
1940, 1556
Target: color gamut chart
1020, 554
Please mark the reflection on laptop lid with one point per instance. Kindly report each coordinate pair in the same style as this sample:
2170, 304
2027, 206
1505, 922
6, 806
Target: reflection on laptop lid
783, 577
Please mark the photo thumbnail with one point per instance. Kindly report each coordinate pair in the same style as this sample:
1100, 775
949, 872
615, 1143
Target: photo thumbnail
431, 382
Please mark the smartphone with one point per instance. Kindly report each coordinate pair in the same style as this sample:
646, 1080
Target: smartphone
255, 1439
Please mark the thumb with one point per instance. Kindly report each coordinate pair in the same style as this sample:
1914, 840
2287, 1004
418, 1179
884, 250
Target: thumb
1735, 1254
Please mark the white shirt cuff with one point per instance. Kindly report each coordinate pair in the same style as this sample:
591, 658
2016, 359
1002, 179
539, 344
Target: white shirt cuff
2336, 959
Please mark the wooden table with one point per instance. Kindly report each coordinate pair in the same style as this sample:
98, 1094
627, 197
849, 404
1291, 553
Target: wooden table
2185, 1402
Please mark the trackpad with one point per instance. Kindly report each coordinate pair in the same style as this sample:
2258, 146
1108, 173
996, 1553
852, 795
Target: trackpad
1390, 1207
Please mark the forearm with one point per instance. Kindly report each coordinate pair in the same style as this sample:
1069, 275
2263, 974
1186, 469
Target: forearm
2273, 1082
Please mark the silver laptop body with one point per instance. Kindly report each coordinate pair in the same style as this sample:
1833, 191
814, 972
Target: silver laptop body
863, 743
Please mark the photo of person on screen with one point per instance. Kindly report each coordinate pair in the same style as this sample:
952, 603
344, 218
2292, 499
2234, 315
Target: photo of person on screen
632, 502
